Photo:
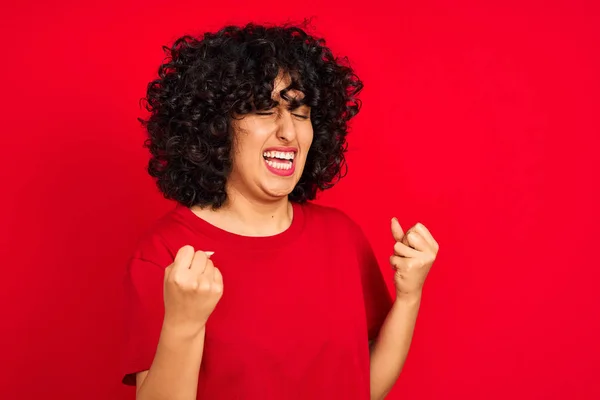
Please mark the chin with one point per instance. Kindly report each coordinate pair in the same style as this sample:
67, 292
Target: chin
278, 193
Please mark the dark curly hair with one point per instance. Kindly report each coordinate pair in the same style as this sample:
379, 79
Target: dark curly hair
205, 82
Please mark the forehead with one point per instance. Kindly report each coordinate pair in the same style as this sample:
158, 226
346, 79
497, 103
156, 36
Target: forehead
281, 82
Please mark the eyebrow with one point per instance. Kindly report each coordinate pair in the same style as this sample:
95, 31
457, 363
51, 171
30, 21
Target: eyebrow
293, 108
295, 102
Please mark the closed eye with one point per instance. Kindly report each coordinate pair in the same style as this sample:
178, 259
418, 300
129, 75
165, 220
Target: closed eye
301, 116
305, 117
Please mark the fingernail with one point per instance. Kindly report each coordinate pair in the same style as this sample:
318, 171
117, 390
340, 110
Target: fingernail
209, 253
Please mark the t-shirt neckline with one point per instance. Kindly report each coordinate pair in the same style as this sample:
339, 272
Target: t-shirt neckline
231, 239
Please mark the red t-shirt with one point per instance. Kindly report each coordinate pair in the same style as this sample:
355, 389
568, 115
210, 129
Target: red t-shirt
296, 315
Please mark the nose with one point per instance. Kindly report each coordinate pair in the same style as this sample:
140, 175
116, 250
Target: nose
286, 130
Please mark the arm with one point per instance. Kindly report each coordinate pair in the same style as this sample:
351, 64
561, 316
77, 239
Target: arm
168, 347
174, 371
391, 347
414, 254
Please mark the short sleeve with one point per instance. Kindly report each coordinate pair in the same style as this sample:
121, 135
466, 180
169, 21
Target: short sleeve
144, 313
377, 298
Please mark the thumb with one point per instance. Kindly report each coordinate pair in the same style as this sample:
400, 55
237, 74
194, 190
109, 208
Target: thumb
397, 231
184, 257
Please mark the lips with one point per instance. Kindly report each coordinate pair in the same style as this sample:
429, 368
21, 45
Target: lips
280, 160
283, 149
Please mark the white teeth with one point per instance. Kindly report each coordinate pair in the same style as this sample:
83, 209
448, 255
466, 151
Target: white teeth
288, 155
279, 165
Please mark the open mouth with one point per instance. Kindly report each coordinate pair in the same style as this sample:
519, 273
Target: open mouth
280, 160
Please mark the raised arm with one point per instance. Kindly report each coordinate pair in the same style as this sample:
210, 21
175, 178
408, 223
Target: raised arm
414, 254
192, 289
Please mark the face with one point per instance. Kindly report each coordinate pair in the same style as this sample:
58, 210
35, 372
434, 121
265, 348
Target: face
270, 148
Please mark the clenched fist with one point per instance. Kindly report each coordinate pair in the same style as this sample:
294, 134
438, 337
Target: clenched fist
192, 289
414, 254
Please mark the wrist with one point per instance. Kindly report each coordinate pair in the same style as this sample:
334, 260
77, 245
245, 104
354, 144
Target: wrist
179, 331
409, 297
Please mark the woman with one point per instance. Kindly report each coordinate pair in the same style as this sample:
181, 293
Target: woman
246, 290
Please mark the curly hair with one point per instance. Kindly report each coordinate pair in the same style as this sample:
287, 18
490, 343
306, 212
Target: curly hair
205, 82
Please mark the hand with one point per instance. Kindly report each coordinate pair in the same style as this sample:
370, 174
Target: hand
192, 289
414, 254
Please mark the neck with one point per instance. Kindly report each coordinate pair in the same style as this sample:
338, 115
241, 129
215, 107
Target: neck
249, 217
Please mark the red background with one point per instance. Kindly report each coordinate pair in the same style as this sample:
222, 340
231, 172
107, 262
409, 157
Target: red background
480, 121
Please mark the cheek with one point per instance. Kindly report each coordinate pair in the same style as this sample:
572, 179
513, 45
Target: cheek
241, 157
247, 145
305, 141
307, 138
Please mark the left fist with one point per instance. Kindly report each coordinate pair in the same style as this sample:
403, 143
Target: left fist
414, 254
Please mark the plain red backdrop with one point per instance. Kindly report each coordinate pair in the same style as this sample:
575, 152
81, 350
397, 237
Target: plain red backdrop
480, 121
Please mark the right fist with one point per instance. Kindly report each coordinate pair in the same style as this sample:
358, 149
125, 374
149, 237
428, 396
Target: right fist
192, 289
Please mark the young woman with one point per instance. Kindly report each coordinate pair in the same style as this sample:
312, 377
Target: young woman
246, 290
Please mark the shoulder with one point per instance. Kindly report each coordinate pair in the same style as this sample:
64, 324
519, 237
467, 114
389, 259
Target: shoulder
330, 217
321, 212
158, 243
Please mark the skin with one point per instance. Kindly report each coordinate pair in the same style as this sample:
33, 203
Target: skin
258, 202
192, 288
258, 205
413, 256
